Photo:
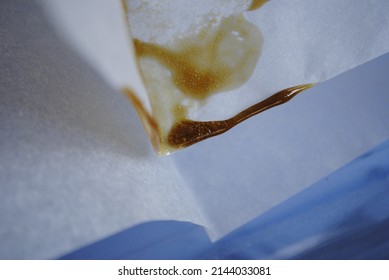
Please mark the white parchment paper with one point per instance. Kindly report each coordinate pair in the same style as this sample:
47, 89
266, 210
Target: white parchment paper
75, 165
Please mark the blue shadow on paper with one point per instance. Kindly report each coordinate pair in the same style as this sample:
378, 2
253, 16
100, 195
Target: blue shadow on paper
343, 216
153, 240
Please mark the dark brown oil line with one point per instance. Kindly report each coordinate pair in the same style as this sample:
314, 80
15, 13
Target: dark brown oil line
188, 132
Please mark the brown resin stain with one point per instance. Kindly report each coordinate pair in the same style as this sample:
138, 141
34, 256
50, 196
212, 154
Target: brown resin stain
199, 69
149, 123
125, 9
206, 64
256, 4
188, 132
192, 80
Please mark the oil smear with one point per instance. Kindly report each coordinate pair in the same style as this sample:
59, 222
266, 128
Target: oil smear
220, 57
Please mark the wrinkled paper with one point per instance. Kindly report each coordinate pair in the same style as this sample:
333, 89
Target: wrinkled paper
72, 176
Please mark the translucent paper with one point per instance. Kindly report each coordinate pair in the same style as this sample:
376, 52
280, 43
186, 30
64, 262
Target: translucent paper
75, 161
210, 60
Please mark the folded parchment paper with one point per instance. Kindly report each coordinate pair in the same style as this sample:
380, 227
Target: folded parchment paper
76, 166
209, 60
